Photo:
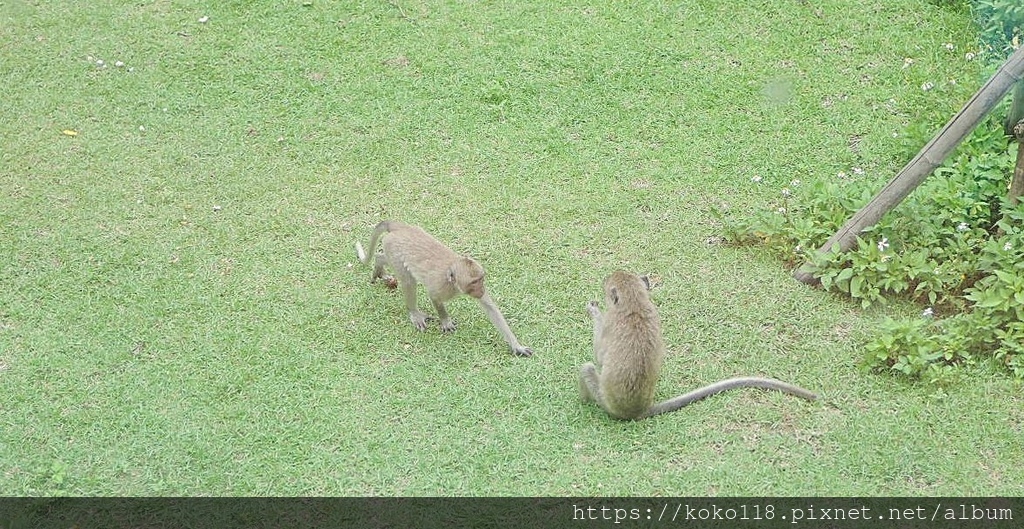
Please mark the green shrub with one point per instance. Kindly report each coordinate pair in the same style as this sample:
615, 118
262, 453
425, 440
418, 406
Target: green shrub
1000, 23
955, 245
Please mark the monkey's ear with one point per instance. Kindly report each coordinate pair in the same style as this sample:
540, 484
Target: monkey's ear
646, 281
613, 294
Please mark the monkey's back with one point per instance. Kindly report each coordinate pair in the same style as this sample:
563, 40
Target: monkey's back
420, 254
633, 357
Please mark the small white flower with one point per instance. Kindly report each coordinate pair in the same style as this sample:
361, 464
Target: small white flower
216, 208
841, 174
895, 134
1007, 247
99, 62
927, 86
204, 20
119, 64
755, 179
907, 62
949, 46
962, 227
795, 183
883, 244
781, 211
970, 56
786, 192
952, 81
857, 171
798, 249
142, 128
927, 313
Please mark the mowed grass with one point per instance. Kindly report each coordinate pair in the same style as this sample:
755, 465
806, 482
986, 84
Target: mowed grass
182, 313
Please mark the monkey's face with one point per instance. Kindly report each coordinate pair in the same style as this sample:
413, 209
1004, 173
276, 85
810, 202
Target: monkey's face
475, 288
469, 277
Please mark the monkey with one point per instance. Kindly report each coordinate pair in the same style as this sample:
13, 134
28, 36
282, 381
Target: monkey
630, 352
417, 257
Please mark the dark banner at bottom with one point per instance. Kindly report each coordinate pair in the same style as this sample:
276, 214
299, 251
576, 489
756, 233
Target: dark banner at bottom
508, 513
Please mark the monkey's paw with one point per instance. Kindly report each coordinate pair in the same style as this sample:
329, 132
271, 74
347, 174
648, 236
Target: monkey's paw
448, 325
523, 351
592, 309
419, 320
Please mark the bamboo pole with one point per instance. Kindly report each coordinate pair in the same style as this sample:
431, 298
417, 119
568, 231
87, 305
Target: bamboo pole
933, 154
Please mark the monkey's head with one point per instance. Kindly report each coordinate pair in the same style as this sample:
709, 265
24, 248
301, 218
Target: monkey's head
468, 277
622, 285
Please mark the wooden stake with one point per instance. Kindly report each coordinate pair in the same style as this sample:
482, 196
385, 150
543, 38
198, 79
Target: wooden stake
1017, 182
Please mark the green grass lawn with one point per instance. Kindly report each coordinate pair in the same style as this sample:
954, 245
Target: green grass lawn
182, 313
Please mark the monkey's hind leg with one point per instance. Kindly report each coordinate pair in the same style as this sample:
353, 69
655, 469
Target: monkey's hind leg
408, 286
590, 383
379, 260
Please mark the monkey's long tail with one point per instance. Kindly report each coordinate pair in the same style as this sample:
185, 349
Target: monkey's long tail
379, 230
361, 253
676, 403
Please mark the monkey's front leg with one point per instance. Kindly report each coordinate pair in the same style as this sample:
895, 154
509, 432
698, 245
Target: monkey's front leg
447, 325
493, 314
595, 314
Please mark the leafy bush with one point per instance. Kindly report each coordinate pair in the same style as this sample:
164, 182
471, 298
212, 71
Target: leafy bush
1000, 23
955, 245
